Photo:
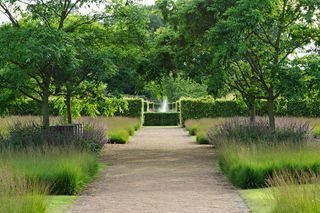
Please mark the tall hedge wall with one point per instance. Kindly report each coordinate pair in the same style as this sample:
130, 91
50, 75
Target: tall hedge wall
135, 108
161, 119
208, 107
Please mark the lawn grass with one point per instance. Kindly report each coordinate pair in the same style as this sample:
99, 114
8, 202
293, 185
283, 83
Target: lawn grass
61, 203
258, 200
286, 198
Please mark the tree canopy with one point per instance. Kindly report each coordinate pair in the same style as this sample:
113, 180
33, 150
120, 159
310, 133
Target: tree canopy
254, 49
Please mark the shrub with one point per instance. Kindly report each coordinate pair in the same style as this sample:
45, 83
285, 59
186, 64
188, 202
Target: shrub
25, 135
250, 166
316, 131
93, 138
241, 130
201, 138
161, 119
137, 126
192, 129
119, 136
131, 130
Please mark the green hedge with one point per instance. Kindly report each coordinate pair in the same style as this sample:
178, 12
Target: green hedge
146, 106
161, 119
135, 108
178, 106
208, 107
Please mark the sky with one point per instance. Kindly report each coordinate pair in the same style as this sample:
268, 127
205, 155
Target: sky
146, 2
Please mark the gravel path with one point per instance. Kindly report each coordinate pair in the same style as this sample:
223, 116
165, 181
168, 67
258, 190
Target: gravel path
162, 170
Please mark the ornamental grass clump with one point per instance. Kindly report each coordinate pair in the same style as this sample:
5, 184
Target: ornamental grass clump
241, 130
251, 165
27, 135
19, 194
65, 170
295, 192
119, 136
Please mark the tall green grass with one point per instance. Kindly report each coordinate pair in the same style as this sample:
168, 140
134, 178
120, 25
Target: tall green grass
18, 194
295, 192
35, 162
250, 166
298, 193
65, 170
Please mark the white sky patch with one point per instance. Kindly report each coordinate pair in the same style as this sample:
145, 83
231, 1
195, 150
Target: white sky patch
3, 18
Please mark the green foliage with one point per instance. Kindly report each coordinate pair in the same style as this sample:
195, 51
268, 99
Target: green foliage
192, 129
128, 43
131, 130
161, 119
251, 166
208, 107
316, 131
176, 87
135, 108
119, 136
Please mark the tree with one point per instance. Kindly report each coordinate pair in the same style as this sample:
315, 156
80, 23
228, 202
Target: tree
236, 76
93, 64
51, 17
127, 41
268, 33
176, 87
30, 56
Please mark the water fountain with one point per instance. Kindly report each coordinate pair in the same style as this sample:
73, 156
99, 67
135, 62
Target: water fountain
164, 107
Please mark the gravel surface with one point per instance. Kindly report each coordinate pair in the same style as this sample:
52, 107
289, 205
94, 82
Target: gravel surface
162, 170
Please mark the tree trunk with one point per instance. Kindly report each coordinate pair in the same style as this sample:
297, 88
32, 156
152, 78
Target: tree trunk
45, 108
68, 104
272, 122
252, 109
